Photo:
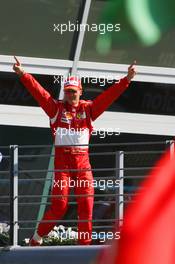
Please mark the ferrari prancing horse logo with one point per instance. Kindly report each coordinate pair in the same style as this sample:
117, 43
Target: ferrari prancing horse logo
81, 115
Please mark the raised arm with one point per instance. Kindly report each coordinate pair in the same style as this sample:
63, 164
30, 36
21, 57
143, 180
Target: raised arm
106, 98
43, 98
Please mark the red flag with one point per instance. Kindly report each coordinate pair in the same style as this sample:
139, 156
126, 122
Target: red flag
148, 233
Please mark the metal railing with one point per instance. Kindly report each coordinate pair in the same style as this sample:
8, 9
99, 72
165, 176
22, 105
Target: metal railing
124, 170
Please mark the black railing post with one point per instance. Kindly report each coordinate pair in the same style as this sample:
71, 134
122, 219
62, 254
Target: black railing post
13, 195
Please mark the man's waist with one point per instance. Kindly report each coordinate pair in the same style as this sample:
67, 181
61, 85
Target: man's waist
72, 149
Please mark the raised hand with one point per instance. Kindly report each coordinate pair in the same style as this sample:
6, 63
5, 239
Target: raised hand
17, 67
131, 71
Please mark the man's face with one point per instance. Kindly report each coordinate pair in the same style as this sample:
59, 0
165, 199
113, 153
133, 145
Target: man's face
72, 96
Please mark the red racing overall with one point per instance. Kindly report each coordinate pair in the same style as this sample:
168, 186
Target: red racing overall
72, 126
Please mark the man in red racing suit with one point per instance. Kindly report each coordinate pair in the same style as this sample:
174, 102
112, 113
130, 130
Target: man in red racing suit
71, 124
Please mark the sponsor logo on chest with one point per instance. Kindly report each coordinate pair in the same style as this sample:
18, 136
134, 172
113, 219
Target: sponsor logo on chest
67, 117
81, 115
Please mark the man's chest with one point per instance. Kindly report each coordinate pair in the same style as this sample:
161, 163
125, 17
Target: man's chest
72, 118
